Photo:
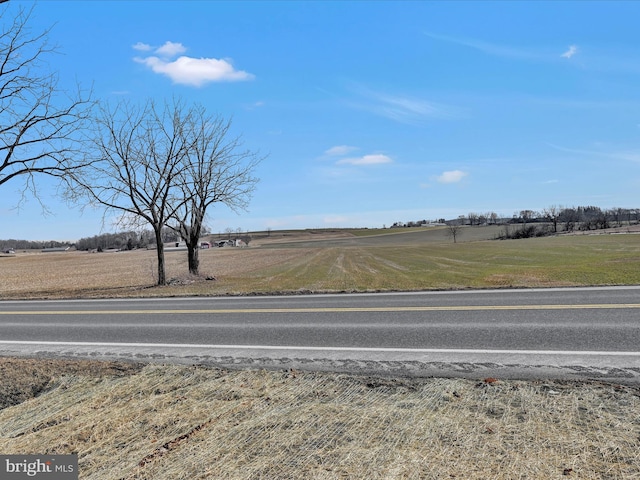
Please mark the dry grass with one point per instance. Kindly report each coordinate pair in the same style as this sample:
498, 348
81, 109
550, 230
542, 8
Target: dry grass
178, 422
22, 379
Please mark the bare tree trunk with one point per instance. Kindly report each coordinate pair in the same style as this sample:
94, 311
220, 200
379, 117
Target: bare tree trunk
162, 276
194, 260
191, 240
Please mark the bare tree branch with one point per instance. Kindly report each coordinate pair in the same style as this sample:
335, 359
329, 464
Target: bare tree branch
40, 126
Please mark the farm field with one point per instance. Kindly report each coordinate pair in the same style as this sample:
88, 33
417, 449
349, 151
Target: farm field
153, 421
411, 259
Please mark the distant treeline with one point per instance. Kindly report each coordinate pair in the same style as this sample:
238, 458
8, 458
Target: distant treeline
31, 245
124, 240
556, 218
107, 241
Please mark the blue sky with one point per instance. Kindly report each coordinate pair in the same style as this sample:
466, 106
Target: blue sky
372, 112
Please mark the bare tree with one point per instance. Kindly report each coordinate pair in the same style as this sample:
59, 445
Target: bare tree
570, 216
453, 230
39, 124
217, 170
527, 215
552, 215
618, 215
138, 159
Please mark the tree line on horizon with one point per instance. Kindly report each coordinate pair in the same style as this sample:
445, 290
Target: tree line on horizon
559, 218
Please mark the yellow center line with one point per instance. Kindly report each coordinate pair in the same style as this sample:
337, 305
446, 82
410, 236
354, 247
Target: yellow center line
456, 308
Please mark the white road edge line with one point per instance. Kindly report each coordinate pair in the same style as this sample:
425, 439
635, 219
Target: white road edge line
326, 349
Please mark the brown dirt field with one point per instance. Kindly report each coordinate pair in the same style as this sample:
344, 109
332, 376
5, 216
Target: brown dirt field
82, 274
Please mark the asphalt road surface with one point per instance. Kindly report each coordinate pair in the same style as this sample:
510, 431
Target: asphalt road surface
535, 333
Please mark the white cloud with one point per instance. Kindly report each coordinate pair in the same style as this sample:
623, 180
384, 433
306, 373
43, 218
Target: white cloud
188, 70
570, 52
195, 71
374, 159
339, 150
142, 47
452, 176
171, 49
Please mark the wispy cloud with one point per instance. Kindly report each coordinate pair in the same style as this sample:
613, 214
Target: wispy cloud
594, 59
254, 105
506, 51
451, 176
624, 155
402, 108
188, 70
340, 150
570, 52
142, 47
490, 48
374, 159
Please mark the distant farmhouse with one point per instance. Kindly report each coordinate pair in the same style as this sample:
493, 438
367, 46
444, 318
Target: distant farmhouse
237, 242
55, 249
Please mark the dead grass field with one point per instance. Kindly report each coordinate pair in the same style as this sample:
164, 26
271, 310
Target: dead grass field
190, 422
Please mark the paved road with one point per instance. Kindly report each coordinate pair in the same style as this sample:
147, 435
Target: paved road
562, 333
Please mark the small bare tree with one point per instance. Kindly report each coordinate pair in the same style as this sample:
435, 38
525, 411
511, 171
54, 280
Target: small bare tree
216, 170
453, 230
39, 124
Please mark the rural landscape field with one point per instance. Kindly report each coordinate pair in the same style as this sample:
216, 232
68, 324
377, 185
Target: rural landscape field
335, 261
487, 331
128, 420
